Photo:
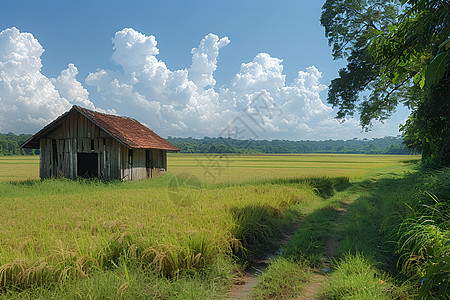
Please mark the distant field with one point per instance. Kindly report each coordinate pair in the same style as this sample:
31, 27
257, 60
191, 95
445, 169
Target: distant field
216, 168
234, 168
14, 168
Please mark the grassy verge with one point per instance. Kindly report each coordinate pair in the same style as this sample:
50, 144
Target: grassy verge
359, 277
399, 230
423, 236
287, 274
365, 256
285, 278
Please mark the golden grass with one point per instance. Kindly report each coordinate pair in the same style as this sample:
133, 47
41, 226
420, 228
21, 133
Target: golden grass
56, 229
65, 235
16, 168
235, 168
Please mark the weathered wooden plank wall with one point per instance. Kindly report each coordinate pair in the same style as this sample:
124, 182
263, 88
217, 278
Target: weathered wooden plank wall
139, 170
139, 165
159, 165
77, 134
45, 169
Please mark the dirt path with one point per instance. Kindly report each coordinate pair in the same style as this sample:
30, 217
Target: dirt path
243, 288
319, 275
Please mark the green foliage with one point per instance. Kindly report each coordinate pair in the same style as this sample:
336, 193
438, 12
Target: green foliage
428, 126
423, 237
437, 68
420, 46
436, 280
394, 58
10, 144
350, 26
419, 42
386, 145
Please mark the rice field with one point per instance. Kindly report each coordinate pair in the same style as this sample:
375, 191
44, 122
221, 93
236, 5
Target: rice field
17, 168
59, 229
236, 168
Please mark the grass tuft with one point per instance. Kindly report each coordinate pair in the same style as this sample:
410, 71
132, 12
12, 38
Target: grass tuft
284, 278
356, 277
258, 227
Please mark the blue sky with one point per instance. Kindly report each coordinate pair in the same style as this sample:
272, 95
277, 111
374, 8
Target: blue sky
81, 33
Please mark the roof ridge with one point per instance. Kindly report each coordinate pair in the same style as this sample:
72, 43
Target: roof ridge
116, 131
126, 130
106, 114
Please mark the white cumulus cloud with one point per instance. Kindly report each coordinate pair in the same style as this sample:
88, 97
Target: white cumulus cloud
257, 103
71, 89
204, 60
186, 102
28, 99
264, 72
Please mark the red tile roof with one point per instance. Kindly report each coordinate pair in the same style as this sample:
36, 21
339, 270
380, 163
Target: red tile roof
127, 131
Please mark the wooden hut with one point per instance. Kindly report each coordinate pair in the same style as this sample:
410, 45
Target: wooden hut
82, 142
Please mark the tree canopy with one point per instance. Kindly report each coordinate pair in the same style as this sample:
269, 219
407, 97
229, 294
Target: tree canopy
10, 144
397, 52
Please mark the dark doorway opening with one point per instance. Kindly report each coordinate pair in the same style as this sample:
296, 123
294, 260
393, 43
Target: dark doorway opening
148, 163
87, 165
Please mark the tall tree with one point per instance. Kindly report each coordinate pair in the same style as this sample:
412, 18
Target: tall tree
393, 57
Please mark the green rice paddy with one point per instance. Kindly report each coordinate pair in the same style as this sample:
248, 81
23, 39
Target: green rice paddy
221, 168
220, 206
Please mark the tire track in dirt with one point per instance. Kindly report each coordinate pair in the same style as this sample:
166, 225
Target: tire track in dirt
244, 286
242, 289
319, 276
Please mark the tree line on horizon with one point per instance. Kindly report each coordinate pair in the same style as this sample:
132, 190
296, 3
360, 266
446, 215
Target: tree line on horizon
10, 145
385, 145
